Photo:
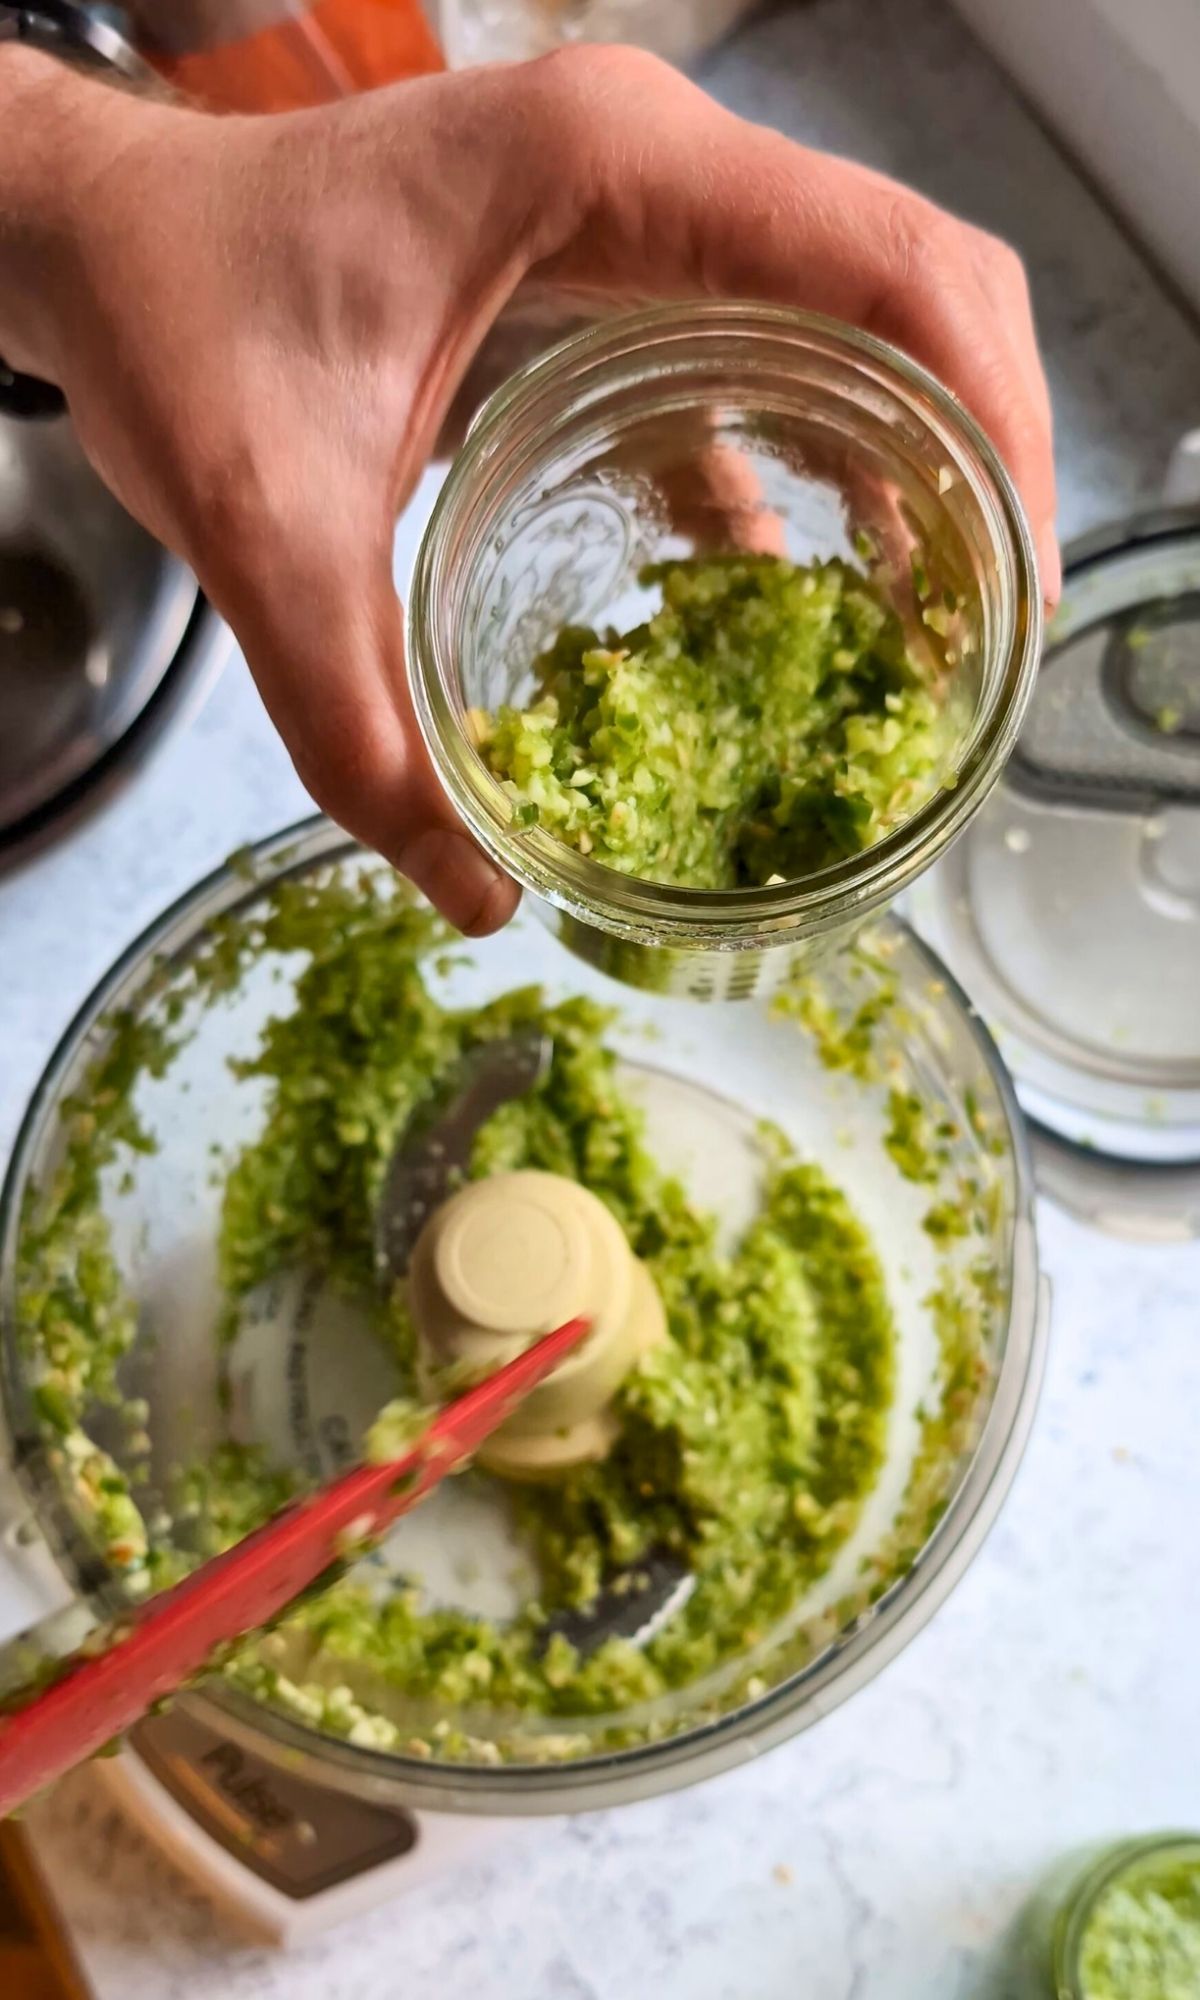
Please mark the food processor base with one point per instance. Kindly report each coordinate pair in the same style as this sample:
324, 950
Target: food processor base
283, 1857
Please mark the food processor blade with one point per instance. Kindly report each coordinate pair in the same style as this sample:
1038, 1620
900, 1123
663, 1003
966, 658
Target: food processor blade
434, 1150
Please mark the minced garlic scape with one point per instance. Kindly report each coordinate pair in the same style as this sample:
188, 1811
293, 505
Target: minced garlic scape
750, 1438
767, 721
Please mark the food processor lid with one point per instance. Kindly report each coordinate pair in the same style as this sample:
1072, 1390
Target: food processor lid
1070, 909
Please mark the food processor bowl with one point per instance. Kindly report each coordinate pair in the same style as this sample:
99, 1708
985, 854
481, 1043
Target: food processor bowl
692, 429
828, 1064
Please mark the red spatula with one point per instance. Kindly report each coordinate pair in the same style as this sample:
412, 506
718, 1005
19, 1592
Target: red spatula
162, 1644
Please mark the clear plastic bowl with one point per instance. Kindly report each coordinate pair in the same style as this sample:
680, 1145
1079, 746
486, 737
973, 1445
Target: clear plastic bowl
707, 1075
571, 479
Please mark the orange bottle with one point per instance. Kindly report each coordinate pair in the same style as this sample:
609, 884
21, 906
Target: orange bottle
36, 1959
269, 55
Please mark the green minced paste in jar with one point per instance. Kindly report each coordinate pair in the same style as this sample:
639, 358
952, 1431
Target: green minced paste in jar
750, 1438
767, 721
1141, 1940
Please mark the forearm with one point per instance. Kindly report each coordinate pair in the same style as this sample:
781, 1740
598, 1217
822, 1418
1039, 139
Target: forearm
60, 133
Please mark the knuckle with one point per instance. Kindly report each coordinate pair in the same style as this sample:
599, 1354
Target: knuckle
949, 250
579, 89
583, 70
906, 222
1001, 266
230, 510
338, 762
223, 505
924, 242
1005, 259
586, 100
942, 237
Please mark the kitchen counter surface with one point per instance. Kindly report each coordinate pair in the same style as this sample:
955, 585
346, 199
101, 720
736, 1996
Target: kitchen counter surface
1053, 1700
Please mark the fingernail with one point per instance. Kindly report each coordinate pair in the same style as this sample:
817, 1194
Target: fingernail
460, 881
1050, 567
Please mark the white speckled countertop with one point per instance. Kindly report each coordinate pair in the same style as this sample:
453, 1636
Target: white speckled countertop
1053, 1699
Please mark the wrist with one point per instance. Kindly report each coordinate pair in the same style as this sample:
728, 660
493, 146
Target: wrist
62, 134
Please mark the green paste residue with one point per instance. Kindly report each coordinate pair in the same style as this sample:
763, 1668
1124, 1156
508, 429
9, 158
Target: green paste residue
750, 1439
1142, 1938
766, 722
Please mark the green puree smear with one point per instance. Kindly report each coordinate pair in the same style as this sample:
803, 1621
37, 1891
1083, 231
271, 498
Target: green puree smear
766, 722
1142, 1939
750, 1438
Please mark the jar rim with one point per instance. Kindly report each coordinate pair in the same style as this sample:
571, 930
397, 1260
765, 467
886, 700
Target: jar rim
1097, 1879
635, 907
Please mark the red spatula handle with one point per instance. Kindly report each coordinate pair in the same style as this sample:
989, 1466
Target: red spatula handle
173, 1636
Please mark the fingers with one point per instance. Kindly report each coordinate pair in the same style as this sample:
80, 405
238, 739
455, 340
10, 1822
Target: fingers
716, 499
323, 634
965, 313
680, 197
710, 487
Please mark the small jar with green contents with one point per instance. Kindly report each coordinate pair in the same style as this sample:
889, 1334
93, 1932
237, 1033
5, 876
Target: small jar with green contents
721, 545
1122, 1923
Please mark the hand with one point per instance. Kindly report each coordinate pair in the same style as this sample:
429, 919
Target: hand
260, 326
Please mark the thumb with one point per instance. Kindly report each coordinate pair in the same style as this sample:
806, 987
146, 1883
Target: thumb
325, 643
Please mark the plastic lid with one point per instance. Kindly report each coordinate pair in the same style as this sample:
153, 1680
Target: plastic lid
1071, 908
515, 1255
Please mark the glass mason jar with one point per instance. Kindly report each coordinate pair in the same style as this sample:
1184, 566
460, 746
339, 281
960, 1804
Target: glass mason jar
694, 427
1051, 1960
